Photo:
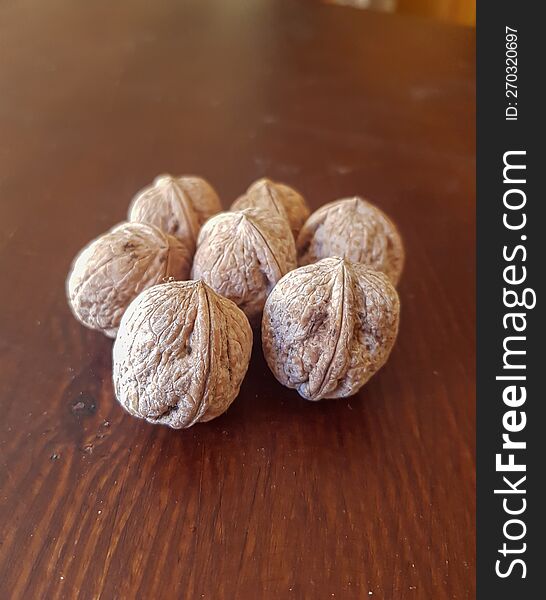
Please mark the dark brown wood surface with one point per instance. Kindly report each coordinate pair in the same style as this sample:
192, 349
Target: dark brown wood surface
368, 497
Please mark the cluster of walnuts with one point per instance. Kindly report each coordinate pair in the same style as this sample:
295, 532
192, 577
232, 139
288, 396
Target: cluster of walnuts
181, 284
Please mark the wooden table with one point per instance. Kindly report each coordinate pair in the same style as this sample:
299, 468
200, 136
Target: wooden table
368, 497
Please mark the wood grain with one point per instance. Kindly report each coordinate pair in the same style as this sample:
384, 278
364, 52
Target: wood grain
372, 496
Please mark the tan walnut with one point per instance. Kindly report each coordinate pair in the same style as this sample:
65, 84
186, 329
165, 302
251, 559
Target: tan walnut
115, 267
177, 205
277, 197
354, 229
329, 326
243, 254
181, 354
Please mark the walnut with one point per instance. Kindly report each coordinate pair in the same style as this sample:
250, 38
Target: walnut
279, 198
329, 326
177, 205
354, 229
181, 354
115, 267
242, 255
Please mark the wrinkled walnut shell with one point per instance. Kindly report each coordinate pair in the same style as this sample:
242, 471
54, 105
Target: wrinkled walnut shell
328, 327
115, 267
181, 354
277, 197
177, 205
242, 255
356, 230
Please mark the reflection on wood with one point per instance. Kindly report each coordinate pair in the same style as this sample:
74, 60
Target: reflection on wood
457, 11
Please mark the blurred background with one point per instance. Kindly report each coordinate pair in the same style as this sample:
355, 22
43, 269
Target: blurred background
455, 11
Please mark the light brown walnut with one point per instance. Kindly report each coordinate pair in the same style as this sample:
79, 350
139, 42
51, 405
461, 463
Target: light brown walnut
277, 197
115, 267
177, 205
181, 354
242, 255
354, 229
329, 326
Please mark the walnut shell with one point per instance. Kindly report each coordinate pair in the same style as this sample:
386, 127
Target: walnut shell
278, 197
242, 255
181, 354
177, 205
356, 230
329, 326
115, 267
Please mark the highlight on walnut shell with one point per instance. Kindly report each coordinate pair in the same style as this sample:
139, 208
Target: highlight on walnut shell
354, 229
177, 205
243, 254
115, 267
277, 197
329, 326
181, 354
